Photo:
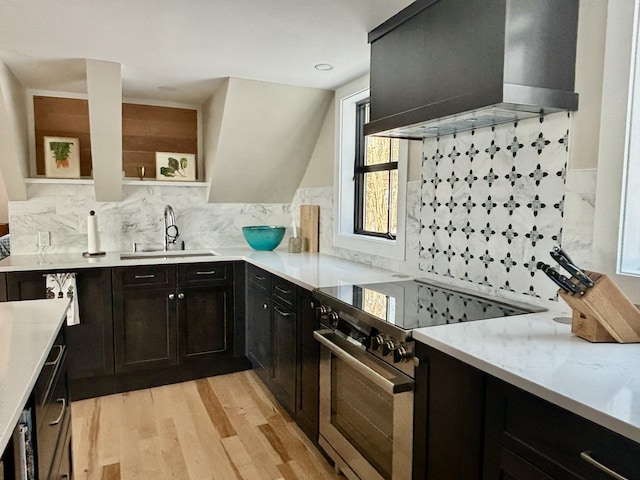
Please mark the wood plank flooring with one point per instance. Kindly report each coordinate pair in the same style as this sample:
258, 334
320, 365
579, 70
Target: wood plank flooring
224, 427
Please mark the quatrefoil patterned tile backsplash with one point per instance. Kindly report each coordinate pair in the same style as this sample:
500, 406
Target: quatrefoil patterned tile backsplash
492, 203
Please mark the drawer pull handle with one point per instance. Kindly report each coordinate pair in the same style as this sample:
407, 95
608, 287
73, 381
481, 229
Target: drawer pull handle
586, 456
64, 407
282, 290
140, 277
284, 314
172, 296
265, 306
57, 360
259, 277
181, 296
211, 272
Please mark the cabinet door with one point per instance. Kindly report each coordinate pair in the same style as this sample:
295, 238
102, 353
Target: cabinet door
448, 417
552, 439
89, 344
284, 356
259, 332
205, 322
308, 365
145, 319
502, 464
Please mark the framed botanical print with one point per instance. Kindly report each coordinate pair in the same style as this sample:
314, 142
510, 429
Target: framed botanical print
176, 166
62, 157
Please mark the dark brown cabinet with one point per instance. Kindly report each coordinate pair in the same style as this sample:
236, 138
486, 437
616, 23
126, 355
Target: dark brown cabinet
448, 418
145, 317
307, 393
259, 330
168, 315
49, 422
528, 438
280, 324
89, 344
144, 326
205, 311
284, 319
469, 425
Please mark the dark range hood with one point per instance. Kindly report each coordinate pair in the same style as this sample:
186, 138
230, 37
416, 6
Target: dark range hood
441, 66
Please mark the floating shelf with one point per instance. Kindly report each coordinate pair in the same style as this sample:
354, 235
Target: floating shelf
63, 181
162, 183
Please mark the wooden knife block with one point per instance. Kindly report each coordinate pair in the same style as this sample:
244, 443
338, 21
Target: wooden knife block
604, 313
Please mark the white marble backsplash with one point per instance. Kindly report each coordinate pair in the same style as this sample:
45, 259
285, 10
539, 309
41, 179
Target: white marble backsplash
62, 209
324, 196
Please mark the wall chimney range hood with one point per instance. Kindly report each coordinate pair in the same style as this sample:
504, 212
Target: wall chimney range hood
445, 66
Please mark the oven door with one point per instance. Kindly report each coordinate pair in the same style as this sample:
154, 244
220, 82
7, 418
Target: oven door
366, 411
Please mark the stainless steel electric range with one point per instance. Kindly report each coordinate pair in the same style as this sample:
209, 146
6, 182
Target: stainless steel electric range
367, 367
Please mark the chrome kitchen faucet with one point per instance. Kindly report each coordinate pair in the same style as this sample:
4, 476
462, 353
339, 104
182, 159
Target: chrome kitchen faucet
171, 232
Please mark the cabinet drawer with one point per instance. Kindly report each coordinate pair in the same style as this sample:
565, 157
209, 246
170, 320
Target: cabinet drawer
284, 291
553, 439
145, 275
259, 278
50, 369
203, 273
53, 417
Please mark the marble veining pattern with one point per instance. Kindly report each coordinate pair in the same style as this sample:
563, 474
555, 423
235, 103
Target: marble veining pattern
541, 356
63, 209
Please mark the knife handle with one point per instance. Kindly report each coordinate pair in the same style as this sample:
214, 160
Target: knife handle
565, 262
563, 282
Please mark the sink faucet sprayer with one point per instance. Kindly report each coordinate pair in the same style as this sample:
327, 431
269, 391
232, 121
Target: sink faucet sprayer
171, 232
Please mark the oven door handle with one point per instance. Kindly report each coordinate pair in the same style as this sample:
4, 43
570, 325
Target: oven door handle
389, 380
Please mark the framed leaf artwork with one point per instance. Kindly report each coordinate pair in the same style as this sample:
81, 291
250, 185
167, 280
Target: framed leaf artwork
176, 166
62, 157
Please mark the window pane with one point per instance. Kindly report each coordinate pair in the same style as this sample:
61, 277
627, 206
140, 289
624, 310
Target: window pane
393, 225
376, 202
378, 150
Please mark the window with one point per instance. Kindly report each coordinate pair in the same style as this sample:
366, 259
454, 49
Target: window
629, 248
370, 193
376, 181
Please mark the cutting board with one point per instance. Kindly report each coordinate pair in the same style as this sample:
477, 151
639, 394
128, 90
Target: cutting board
310, 228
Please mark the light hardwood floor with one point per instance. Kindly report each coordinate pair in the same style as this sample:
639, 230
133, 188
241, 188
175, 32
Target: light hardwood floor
224, 427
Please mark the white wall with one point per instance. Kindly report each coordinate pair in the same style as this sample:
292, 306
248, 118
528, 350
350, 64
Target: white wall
14, 142
612, 143
267, 137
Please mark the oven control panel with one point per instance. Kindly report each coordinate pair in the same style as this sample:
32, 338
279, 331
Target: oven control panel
400, 354
333, 321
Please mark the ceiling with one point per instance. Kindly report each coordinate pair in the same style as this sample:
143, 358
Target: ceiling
179, 51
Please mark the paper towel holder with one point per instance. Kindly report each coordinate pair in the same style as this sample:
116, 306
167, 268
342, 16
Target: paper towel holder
99, 253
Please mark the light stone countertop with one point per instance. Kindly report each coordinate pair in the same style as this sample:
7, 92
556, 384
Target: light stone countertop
598, 381
27, 332
308, 270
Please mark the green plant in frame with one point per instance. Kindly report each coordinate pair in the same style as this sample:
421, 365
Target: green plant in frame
61, 151
175, 167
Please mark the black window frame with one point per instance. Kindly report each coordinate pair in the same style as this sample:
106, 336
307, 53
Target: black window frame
360, 169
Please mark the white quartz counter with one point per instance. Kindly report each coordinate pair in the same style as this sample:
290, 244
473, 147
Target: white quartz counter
309, 270
27, 332
598, 381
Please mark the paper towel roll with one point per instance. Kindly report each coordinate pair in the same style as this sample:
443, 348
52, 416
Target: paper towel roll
93, 236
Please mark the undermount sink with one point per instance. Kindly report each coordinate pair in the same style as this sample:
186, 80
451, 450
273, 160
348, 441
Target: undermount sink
168, 254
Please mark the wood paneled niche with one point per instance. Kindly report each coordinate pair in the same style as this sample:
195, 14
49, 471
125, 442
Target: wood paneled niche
146, 129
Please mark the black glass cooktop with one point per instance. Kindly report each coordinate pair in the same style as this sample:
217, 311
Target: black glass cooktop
415, 304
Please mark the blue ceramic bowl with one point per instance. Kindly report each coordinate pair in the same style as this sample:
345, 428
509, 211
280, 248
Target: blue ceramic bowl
263, 237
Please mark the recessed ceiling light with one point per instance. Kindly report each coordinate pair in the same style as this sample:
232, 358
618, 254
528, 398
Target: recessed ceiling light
166, 88
323, 67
